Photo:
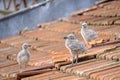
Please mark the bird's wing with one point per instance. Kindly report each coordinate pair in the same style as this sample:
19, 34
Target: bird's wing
92, 34
22, 55
76, 45
84, 35
19, 54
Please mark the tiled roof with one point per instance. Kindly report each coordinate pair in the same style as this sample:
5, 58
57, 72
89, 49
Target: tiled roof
55, 75
50, 60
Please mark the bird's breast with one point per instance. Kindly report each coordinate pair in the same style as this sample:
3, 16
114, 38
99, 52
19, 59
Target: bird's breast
24, 59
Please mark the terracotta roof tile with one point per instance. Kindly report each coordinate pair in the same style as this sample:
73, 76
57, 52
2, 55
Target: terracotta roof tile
47, 75
100, 63
112, 76
92, 68
6, 63
40, 58
103, 68
8, 53
90, 54
53, 47
88, 67
112, 55
3, 78
63, 68
83, 18
71, 78
102, 74
64, 27
107, 10
54, 75
117, 22
16, 41
3, 46
9, 71
45, 35
37, 58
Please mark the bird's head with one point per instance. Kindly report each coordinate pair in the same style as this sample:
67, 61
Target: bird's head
70, 37
25, 46
84, 25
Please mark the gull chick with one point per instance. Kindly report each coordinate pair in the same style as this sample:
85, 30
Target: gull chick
88, 34
23, 56
74, 46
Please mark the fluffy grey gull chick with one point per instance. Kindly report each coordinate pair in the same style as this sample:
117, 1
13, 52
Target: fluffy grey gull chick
88, 34
23, 56
74, 46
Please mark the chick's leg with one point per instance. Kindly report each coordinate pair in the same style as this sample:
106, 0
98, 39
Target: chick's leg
76, 58
73, 58
20, 68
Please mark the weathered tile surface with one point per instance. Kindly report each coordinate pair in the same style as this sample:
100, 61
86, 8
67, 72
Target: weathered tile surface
100, 63
54, 75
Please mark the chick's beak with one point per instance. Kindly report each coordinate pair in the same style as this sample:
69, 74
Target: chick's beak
65, 37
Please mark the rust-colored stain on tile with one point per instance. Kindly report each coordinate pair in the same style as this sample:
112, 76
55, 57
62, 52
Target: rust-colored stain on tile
50, 60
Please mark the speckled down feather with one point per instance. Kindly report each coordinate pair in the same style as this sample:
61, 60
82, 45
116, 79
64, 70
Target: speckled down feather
23, 56
74, 46
88, 34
